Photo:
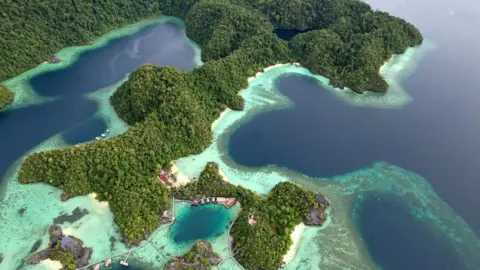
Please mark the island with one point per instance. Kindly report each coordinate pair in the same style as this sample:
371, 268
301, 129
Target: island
171, 111
66, 249
201, 256
6, 96
261, 232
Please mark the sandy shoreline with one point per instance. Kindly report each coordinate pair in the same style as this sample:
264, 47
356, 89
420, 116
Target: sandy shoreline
223, 114
258, 74
96, 203
223, 175
296, 236
182, 179
49, 264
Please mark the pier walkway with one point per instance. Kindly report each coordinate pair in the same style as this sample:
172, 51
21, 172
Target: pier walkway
140, 246
128, 252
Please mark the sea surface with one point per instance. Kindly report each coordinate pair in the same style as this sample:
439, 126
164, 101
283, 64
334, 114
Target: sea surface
436, 136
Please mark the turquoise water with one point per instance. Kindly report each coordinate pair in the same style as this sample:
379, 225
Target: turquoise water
55, 110
200, 222
341, 244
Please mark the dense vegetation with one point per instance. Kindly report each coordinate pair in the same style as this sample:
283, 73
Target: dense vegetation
6, 96
200, 257
171, 111
32, 31
262, 245
68, 250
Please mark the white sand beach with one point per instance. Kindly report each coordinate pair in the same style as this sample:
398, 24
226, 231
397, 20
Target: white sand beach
96, 203
223, 175
258, 74
49, 264
182, 179
296, 236
223, 114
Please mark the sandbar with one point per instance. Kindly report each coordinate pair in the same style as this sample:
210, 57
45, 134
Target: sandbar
181, 178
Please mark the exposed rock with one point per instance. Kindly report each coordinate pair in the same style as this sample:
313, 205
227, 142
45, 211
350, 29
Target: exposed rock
39, 256
318, 215
22, 210
62, 243
201, 257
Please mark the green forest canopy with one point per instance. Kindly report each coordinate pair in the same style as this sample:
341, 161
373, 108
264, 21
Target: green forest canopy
171, 110
6, 96
264, 244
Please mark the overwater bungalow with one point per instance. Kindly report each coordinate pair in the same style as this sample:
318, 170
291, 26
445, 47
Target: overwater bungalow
194, 203
55, 60
202, 201
124, 263
96, 267
108, 262
108, 131
103, 135
230, 202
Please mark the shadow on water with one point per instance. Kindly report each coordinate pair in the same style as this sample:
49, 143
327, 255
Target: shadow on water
71, 112
288, 34
398, 237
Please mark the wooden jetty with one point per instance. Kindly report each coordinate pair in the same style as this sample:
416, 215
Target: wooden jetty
225, 201
107, 262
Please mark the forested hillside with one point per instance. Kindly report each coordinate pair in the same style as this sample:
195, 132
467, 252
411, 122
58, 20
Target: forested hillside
6, 96
33, 31
171, 111
260, 246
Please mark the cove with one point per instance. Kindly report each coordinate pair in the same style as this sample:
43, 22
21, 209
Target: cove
200, 222
67, 103
322, 136
70, 111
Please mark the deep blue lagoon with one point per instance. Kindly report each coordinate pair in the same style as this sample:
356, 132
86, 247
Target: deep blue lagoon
71, 112
435, 136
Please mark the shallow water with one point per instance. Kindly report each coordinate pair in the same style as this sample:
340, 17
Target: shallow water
434, 136
67, 103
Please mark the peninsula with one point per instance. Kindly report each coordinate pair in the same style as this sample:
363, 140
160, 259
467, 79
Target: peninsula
261, 232
171, 111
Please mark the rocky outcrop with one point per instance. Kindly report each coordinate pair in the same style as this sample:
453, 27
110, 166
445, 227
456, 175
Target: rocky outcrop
317, 216
64, 248
200, 257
